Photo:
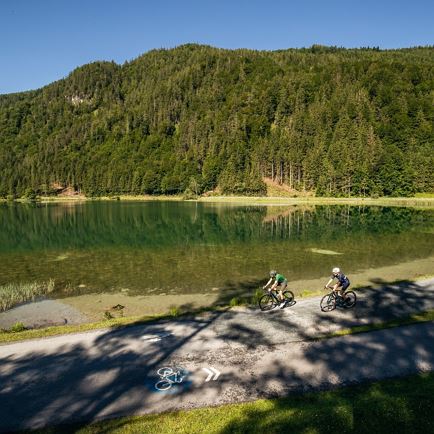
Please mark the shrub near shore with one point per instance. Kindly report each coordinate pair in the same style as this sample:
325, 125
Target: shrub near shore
15, 293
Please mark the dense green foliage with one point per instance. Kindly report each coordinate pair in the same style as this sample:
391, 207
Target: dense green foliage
337, 121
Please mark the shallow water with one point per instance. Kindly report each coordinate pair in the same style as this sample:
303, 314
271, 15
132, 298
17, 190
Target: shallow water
144, 248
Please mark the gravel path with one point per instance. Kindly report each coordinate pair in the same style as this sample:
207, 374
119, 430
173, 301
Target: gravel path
109, 373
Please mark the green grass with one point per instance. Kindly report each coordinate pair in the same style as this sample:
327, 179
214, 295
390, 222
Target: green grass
257, 296
390, 406
419, 202
175, 311
8, 336
11, 336
15, 293
17, 327
423, 200
425, 195
235, 301
109, 321
410, 319
20, 334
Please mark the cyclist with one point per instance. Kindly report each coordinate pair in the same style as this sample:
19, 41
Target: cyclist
342, 282
280, 282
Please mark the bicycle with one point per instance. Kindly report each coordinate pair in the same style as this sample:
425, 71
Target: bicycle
169, 376
333, 299
270, 300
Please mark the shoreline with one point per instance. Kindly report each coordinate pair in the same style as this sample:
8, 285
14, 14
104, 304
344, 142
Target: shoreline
86, 312
94, 305
277, 200
24, 334
418, 202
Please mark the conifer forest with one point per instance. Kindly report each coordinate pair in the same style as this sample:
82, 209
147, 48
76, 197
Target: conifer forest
326, 120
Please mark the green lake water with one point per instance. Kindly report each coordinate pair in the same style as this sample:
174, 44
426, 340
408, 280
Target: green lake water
188, 247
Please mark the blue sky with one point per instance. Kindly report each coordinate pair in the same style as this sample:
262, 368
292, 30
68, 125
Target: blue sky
43, 40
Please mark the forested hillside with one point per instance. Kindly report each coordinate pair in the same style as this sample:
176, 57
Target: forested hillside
334, 121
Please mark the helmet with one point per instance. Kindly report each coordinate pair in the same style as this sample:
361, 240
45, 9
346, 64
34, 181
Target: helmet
336, 270
273, 273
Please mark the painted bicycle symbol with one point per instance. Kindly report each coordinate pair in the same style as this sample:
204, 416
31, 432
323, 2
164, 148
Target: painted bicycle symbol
170, 376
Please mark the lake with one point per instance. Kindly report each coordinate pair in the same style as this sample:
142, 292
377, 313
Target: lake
151, 248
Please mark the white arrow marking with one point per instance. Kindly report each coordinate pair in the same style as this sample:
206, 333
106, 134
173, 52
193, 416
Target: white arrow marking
217, 373
155, 338
212, 372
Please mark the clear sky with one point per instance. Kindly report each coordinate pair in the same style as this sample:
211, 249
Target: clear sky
43, 40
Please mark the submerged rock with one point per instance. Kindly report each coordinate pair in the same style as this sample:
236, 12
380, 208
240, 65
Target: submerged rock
324, 252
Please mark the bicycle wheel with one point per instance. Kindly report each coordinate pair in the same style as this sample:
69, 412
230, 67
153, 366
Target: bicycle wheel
288, 296
328, 303
350, 299
165, 372
163, 385
266, 302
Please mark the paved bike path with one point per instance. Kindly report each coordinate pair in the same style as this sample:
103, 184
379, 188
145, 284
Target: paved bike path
111, 373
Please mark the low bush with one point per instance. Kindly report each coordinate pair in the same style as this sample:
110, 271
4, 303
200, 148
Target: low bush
257, 295
15, 293
174, 311
18, 327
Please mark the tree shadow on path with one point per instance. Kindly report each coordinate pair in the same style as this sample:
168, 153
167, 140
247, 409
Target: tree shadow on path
114, 374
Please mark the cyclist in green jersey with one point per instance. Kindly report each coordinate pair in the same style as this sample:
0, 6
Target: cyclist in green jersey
280, 282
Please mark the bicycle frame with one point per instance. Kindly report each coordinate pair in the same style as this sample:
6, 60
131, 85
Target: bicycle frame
346, 300
273, 293
336, 293
177, 377
168, 377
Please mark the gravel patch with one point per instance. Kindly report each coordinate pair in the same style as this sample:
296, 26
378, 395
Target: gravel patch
43, 313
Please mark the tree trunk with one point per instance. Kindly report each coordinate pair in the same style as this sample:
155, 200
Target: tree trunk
291, 174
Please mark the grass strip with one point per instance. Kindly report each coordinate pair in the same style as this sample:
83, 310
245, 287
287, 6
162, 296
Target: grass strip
422, 200
397, 322
8, 336
403, 405
11, 336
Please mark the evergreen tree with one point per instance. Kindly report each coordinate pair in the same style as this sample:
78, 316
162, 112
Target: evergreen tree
324, 119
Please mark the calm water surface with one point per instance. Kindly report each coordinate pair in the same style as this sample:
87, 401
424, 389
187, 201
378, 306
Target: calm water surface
186, 247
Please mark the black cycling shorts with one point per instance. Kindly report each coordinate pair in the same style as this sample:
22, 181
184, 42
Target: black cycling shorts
345, 286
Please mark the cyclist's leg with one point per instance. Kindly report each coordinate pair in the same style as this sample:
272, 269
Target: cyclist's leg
337, 291
282, 288
273, 294
343, 289
276, 297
